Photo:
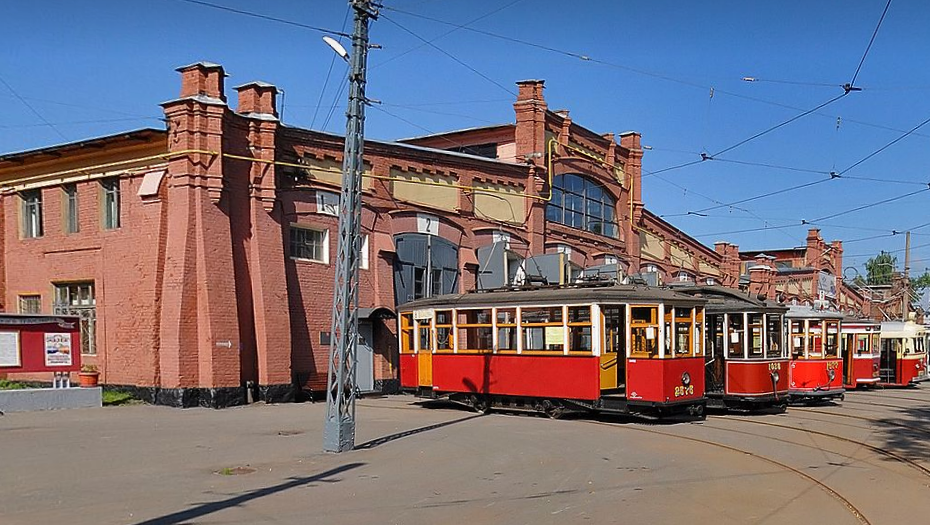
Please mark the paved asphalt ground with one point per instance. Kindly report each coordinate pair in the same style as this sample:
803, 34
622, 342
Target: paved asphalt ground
864, 461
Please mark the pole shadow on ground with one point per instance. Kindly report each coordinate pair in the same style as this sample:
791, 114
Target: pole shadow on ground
204, 509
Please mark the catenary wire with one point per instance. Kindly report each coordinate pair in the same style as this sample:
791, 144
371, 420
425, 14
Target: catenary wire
32, 109
329, 72
871, 41
267, 17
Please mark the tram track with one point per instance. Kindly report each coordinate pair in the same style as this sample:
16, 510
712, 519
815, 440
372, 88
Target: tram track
885, 405
882, 452
861, 418
850, 507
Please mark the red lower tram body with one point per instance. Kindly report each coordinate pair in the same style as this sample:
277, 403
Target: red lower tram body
907, 370
656, 387
815, 379
863, 372
755, 384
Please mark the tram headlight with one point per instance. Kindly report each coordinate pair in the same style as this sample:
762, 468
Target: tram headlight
686, 378
775, 377
831, 374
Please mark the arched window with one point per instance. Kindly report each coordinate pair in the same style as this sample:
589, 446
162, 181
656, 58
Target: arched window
583, 204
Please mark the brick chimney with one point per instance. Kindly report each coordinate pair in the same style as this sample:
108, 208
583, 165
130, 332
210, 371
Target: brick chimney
762, 276
836, 252
815, 249
530, 109
257, 98
729, 264
203, 79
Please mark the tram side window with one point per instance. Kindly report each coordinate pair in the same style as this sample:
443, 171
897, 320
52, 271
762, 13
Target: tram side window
444, 331
644, 331
506, 330
475, 331
579, 329
755, 335
831, 339
797, 335
684, 325
773, 333
406, 333
543, 329
736, 333
426, 335
876, 344
614, 329
698, 331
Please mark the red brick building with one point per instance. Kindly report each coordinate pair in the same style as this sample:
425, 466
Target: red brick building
200, 256
811, 275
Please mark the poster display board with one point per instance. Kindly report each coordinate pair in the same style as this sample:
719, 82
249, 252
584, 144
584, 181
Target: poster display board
10, 354
58, 349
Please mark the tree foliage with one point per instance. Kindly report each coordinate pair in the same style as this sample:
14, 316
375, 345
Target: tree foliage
880, 269
922, 282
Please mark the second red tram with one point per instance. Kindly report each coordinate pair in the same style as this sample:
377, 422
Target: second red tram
616, 348
746, 366
815, 371
861, 352
903, 356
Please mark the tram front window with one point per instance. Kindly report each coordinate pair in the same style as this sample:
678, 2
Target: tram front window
444, 331
425, 330
755, 339
876, 345
736, 336
797, 335
773, 333
862, 344
644, 331
406, 333
831, 339
683, 328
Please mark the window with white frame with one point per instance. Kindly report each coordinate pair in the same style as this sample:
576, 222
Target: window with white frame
563, 248
309, 243
685, 277
111, 203
611, 259
30, 304
31, 213
650, 268
503, 237
327, 203
710, 281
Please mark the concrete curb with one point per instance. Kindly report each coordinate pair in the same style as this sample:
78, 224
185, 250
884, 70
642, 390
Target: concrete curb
31, 399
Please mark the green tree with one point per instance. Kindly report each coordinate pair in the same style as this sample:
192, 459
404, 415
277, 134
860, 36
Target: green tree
920, 283
880, 269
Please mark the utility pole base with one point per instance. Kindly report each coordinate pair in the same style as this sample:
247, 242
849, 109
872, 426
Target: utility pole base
338, 436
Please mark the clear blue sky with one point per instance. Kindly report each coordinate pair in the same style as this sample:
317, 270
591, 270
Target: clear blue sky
97, 67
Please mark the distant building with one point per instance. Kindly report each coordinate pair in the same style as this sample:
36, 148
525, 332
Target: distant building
200, 256
810, 275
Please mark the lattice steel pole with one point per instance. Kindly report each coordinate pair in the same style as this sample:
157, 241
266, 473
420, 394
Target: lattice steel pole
339, 429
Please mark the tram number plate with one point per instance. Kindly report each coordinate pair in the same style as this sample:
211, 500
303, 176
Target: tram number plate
833, 365
682, 390
774, 366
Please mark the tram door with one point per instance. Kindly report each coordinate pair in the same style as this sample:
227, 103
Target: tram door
613, 354
849, 346
714, 366
425, 353
888, 365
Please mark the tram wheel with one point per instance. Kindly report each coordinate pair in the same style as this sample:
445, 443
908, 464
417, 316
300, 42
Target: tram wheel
480, 404
554, 410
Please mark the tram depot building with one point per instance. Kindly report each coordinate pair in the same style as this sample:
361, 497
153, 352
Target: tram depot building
200, 256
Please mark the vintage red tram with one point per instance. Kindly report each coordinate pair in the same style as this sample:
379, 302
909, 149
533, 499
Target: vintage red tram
903, 357
615, 348
747, 361
815, 371
861, 352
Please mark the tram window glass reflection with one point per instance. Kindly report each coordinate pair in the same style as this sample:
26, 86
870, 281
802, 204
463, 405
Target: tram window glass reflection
684, 323
831, 338
475, 332
543, 329
506, 330
406, 333
444, 331
735, 335
755, 335
773, 333
644, 331
579, 329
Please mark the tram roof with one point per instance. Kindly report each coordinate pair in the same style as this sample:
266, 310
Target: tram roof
892, 329
807, 312
560, 295
721, 299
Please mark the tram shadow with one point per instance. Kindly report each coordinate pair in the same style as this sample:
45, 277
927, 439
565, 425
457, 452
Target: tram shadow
907, 432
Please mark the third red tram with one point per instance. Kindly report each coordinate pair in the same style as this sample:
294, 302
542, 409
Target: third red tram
815, 370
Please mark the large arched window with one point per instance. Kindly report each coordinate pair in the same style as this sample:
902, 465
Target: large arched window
583, 204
